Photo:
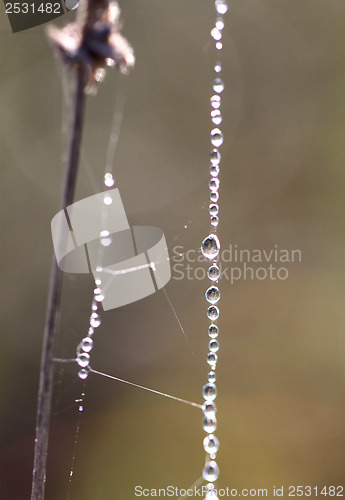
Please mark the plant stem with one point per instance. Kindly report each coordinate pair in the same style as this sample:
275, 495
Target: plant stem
53, 306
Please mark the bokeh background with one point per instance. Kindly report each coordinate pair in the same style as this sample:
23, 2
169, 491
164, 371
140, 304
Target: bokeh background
281, 405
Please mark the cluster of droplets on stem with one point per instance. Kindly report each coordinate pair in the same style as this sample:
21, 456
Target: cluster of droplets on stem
85, 346
210, 248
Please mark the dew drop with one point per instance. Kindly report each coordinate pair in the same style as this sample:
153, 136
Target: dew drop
214, 196
209, 392
109, 179
100, 74
71, 4
105, 238
210, 246
211, 444
108, 200
216, 34
211, 471
86, 344
214, 221
213, 209
220, 23
83, 359
218, 85
216, 137
83, 373
213, 273
212, 359
213, 331
218, 67
211, 495
209, 424
213, 313
99, 297
212, 295
213, 346
90, 331
216, 116
211, 377
214, 184
221, 6
209, 408
215, 157
95, 320
81, 408
219, 45
214, 170
216, 101
109, 62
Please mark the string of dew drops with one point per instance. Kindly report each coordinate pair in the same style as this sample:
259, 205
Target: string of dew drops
210, 248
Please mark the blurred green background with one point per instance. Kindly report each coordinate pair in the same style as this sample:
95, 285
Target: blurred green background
281, 404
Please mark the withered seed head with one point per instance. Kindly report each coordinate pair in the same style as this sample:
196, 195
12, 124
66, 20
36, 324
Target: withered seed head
93, 40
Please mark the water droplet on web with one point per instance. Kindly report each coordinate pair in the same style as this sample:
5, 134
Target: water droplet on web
213, 209
83, 359
209, 392
209, 408
211, 444
218, 85
215, 101
214, 184
83, 374
110, 62
105, 238
220, 23
216, 137
212, 359
211, 495
81, 408
209, 424
219, 45
95, 320
211, 377
99, 297
213, 313
215, 156
213, 346
216, 116
221, 6
109, 179
210, 246
214, 221
216, 34
86, 344
211, 471
218, 67
106, 241
214, 196
213, 331
212, 295
214, 170
108, 200
100, 74
71, 4
213, 273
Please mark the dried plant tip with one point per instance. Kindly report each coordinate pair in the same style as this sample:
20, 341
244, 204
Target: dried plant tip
94, 40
